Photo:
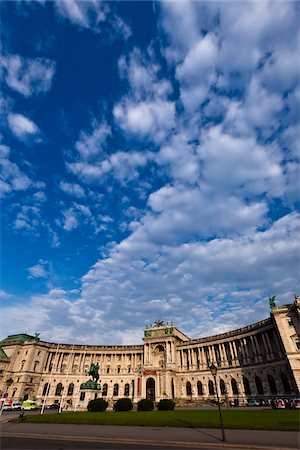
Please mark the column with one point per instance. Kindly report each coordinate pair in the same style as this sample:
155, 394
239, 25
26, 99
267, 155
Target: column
231, 348
269, 344
259, 356
223, 355
254, 349
266, 346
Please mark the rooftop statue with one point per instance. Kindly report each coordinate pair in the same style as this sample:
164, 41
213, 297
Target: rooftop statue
272, 301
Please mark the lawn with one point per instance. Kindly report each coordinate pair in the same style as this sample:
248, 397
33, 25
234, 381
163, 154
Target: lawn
250, 420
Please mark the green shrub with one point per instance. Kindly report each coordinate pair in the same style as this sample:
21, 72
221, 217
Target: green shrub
99, 404
145, 405
123, 404
165, 405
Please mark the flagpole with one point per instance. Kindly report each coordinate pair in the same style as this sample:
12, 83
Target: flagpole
49, 383
64, 390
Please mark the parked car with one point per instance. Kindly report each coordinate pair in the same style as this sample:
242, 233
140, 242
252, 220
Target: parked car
252, 402
7, 406
295, 403
16, 406
54, 406
29, 405
279, 403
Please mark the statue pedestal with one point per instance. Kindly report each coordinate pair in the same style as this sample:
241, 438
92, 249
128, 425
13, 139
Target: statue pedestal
90, 390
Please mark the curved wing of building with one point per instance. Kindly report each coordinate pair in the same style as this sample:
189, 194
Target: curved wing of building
260, 361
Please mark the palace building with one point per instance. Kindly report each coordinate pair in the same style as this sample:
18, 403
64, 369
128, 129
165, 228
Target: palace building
259, 361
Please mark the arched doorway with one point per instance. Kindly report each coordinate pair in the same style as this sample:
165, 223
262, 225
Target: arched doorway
150, 389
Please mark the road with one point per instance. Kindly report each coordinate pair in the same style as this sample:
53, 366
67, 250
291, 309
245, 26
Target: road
38, 444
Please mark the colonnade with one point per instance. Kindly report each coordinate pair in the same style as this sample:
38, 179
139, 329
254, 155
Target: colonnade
240, 351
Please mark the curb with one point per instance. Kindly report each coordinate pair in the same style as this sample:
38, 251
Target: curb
172, 444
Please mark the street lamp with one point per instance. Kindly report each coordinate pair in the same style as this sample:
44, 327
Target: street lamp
214, 371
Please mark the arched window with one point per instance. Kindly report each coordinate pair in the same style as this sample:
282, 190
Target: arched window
285, 383
104, 390
46, 389
211, 388
246, 384
71, 389
272, 384
259, 386
199, 388
188, 388
116, 390
222, 387
126, 390
234, 387
58, 389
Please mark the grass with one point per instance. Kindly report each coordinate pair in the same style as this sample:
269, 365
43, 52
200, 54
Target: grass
247, 420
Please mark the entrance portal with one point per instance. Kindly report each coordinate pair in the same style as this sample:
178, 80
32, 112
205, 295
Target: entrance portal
150, 389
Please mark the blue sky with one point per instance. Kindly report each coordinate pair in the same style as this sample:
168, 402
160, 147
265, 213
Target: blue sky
150, 166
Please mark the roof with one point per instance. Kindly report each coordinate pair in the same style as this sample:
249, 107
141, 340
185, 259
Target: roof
23, 337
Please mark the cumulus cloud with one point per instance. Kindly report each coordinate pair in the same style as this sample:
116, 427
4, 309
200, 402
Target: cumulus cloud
94, 15
72, 189
21, 126
11, 176
28, 76
38, 270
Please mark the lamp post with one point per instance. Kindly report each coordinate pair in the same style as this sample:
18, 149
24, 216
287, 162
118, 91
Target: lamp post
214, 371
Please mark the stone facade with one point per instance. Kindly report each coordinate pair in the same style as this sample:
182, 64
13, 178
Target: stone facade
260, 361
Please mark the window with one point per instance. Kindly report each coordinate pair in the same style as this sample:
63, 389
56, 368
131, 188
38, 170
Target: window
31, 380
58, 389
104, 390
82, 396
211, 388
222, 387
116, 390
199, 388
107, 370
246, 384
71, 389
188, 388
119, 369
36, 363
126, 390
129, 369
272, 384
46, 389
22, 364
234, 387
259, 386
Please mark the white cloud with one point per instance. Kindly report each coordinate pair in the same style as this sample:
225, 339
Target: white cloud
70, 220
21, 126
28, 218
94, 15
11, 177
151, 118
72, 189
240, 164
91, 144
38, 270
28, 76
198, 72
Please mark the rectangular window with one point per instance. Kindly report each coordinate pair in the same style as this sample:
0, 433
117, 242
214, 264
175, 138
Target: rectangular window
82, 396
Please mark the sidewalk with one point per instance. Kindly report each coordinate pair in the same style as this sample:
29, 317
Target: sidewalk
192, 437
